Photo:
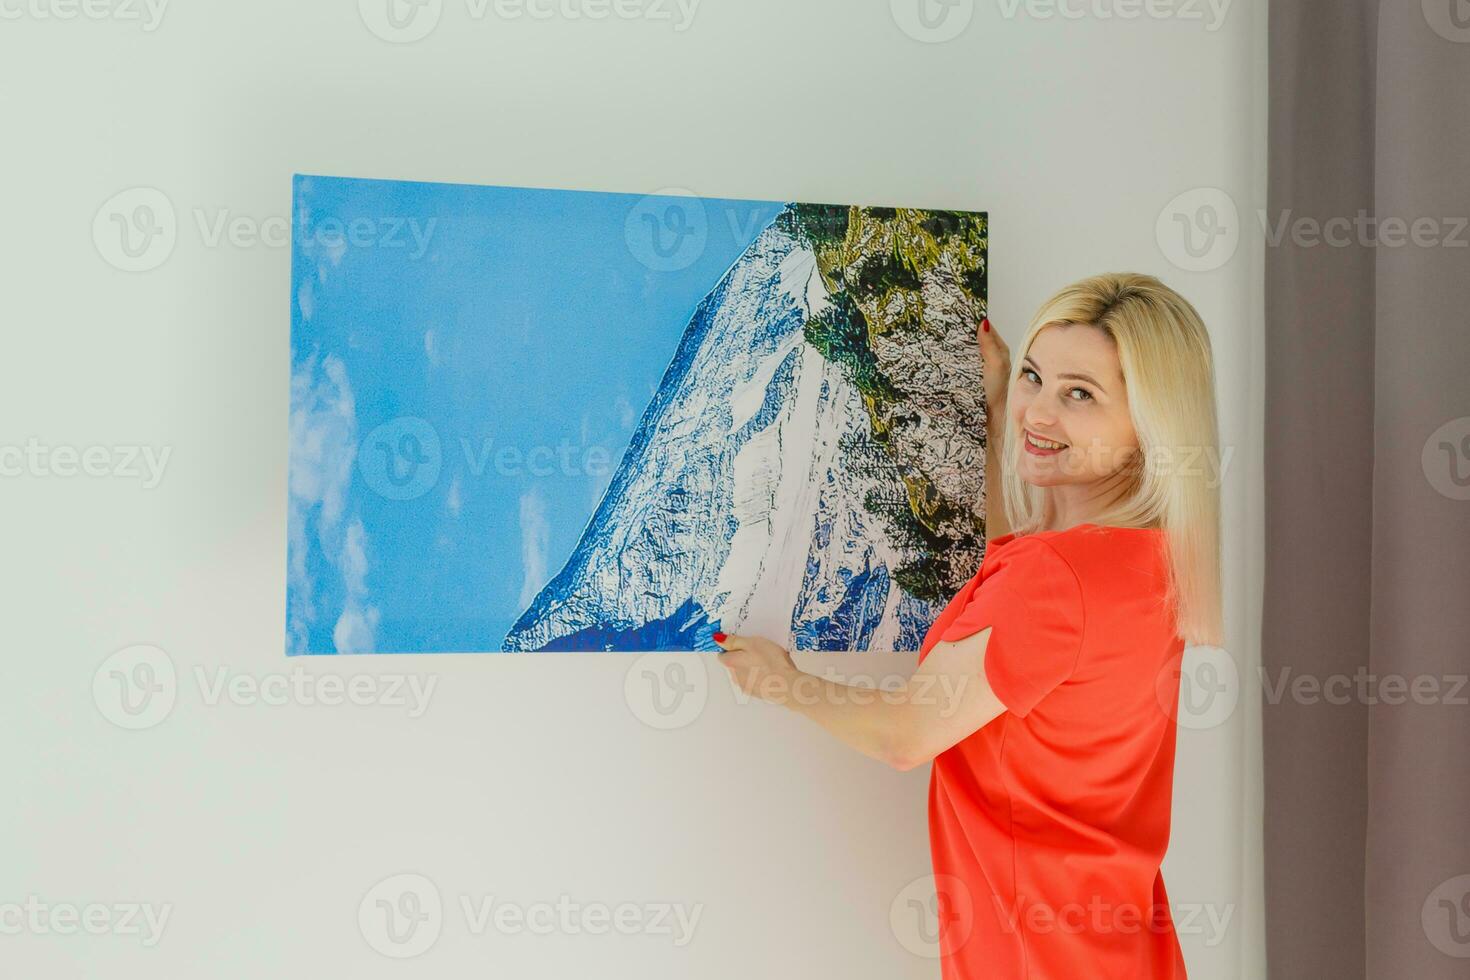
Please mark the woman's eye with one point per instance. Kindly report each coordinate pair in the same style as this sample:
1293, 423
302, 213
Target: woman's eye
1030, 374
1085, 394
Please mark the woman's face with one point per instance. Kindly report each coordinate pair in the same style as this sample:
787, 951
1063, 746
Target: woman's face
1070, 391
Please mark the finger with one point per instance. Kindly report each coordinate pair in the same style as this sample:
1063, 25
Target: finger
999, 342
990, 339
986, 335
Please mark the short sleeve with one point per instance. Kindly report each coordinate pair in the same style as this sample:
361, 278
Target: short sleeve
1033, 602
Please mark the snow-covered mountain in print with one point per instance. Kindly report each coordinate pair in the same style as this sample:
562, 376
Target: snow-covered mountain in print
530, 419
811, 467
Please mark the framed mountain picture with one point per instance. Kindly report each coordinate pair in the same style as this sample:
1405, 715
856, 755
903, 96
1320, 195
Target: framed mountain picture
526, 419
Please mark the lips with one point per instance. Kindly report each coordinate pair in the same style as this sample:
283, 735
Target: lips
1043, 447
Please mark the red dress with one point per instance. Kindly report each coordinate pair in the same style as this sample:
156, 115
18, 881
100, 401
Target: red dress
1048, 824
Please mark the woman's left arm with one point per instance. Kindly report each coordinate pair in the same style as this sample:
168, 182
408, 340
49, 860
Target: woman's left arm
946, 698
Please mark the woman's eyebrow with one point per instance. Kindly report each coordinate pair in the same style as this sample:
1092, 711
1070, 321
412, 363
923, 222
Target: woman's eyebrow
1084, 377
1080, 377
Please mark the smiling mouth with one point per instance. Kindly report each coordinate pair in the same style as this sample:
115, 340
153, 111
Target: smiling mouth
1042, 447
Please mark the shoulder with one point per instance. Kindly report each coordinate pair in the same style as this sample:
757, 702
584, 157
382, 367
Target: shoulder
1099, 558
1036, 552
1090, 539
1123, 573
1035, 571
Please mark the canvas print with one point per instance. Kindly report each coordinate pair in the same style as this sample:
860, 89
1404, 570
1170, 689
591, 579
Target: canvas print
525, 419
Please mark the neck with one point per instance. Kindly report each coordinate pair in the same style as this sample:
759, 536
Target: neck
1072, 504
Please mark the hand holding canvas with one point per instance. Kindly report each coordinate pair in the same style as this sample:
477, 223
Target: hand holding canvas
996, 372
758, 666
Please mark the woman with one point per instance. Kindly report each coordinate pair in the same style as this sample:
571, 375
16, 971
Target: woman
1046, 689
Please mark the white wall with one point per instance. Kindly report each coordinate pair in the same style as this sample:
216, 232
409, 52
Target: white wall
263, 827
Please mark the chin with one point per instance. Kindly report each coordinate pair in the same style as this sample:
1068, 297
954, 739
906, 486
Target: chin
1038, 476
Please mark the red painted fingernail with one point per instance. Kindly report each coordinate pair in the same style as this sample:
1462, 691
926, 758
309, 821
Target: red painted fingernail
719, 637
985, 324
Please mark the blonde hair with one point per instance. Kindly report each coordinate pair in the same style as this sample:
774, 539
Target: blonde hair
1169, 372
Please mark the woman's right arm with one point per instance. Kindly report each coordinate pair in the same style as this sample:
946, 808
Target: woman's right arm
996, 374
996, 523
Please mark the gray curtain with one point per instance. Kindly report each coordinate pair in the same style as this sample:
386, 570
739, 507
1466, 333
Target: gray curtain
1367, 451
